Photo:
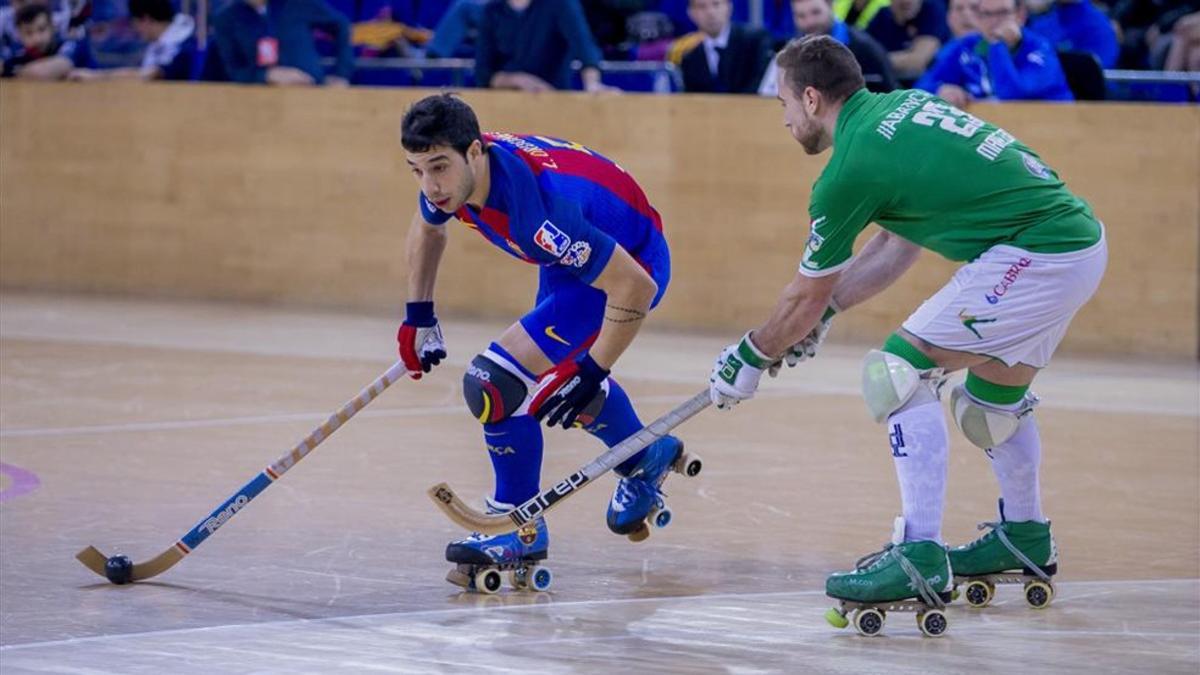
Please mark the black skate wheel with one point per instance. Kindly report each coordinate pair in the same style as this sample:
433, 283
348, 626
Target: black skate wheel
979, 593
868, 621
932, 622
1038, 594
487, 581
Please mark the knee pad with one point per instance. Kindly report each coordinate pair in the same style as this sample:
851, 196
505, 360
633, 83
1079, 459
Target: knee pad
494, 389
889, 382
984, 425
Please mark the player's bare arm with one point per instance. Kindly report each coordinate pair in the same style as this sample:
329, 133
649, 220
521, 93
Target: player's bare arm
426, 243
630, 291
883, 260
799, 308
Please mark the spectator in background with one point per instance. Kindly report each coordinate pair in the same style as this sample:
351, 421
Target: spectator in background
731, 59
815, 17
858, 13
171, 49
1075, 26
1183, 52
458, 30
10, 39
960, 17
529, 45
1002, 61
42, 53
608, 19
912, 31
271, 42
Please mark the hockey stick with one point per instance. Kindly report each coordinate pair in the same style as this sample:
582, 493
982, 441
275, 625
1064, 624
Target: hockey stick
473, 520
94, 560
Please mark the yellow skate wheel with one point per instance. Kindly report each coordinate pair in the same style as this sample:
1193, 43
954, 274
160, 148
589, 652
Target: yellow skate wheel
640, 534
979, 593
835, 618
932, 622
869, 621
1039, 594
487, 581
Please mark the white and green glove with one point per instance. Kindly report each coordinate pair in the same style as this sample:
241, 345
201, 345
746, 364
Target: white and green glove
736, 374
806, 348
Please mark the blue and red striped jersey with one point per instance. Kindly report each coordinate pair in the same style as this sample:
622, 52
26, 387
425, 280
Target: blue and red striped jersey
554, 202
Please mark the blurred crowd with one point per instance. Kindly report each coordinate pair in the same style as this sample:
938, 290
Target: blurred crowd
963, 50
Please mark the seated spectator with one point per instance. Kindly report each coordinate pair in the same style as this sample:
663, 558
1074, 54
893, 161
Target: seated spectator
731, 58
1075, 26
1183, 52
457, 32
271, 42
41, 52
858, 13
960, 17
912, 31
815, 17
528, 45
607, 20
1003, 61
1146, 27
171, 49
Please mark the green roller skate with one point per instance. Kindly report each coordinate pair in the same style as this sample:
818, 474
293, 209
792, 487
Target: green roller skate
1011, 553
903, 577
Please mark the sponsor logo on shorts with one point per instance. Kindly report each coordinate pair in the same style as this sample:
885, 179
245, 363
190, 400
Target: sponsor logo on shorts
501, 450
1007, 281
551, 239
970, 321
550, 333
577, 255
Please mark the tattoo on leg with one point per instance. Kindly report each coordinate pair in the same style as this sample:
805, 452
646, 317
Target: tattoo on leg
623, 314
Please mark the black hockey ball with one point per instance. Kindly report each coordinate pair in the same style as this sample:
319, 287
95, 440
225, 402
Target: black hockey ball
119, 569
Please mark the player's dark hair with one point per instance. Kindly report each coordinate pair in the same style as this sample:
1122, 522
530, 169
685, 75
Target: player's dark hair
441, 119
155, 10
30, 13
823, 63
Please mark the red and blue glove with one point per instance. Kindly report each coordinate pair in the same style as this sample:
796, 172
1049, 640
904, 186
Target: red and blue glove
420, 338
566, 389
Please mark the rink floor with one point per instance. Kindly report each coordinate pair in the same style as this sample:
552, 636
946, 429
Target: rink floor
124, 422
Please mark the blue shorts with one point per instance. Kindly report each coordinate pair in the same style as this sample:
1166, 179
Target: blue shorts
568, 313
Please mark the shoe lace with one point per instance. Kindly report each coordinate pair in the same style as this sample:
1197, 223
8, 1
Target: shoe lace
998, 530
928, 593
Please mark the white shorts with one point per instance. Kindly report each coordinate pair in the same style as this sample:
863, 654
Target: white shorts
1011, 304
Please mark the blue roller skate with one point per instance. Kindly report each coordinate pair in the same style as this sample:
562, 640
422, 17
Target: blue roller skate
480, 558
638, 502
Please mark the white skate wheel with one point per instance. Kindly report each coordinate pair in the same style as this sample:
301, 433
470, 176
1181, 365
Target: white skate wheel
932, 622
541, 578
1039, 594
487, 581
979, 593
868, 621
692, 465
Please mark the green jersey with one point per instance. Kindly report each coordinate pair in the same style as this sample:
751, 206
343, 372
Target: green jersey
940, 178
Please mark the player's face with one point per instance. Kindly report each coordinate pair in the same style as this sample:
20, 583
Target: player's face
812, 17
445, 176
37, 34
799, 120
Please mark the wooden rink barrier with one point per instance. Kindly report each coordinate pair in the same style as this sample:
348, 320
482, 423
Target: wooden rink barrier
303, 197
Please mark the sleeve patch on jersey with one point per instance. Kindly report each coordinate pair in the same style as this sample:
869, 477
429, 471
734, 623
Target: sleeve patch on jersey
551, 239
578, 254
815, 241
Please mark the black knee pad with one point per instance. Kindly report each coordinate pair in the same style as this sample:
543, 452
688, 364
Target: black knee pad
492, 391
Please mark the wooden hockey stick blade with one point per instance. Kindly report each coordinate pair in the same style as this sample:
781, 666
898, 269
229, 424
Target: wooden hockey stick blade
94, 560
458, 511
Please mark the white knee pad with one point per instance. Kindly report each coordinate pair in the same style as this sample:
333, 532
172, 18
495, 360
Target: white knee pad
888, 382
984, 425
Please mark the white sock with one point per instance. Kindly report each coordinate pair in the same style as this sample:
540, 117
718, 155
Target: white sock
920, 445
1015, 463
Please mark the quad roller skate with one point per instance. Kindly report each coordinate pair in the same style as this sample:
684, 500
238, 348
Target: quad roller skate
638, 503
481, 559
1010, 553
903, 577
